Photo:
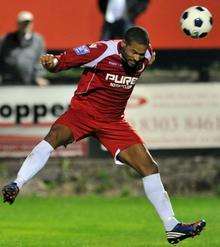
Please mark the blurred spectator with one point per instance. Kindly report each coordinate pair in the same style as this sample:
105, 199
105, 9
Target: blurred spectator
119, 15
20, 52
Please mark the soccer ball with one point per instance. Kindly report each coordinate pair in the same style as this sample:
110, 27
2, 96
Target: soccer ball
196, 21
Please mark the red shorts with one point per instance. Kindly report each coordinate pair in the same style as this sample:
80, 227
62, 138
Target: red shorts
114, 135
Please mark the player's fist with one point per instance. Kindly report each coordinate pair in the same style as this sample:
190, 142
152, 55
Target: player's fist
48, 61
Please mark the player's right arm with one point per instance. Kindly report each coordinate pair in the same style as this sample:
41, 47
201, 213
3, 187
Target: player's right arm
49, 62
72, 58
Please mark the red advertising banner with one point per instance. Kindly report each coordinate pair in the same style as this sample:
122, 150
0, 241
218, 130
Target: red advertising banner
78, 22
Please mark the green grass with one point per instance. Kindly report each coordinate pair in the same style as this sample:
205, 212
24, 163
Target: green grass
101, 222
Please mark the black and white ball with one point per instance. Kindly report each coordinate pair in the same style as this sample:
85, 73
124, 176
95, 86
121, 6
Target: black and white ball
196, 21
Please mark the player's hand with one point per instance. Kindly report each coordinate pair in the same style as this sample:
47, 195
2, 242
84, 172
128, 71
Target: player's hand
9, 192
48, 61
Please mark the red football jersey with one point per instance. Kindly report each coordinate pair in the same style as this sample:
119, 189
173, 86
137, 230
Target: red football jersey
106, 82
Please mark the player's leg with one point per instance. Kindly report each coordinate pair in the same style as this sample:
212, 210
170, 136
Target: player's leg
71, 126
58, 135
125, 145
138, 157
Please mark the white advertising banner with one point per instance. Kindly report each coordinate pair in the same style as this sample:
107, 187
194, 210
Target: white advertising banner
166, 116
26, 114
171, 116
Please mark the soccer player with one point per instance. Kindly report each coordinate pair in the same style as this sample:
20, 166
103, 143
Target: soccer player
97, 108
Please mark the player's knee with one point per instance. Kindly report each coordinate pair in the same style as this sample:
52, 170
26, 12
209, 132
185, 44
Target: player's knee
144, 166
153, 167
148, 168
52, 139
59, 135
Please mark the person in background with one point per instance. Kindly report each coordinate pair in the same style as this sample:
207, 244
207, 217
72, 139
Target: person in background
20, 52
119, 15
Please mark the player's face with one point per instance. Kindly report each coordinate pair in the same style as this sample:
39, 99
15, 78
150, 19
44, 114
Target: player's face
133, 53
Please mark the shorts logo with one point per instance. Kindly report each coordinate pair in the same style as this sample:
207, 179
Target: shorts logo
121, 81
82, 50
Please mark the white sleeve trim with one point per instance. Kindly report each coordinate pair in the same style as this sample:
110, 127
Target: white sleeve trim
148, 55
111, 49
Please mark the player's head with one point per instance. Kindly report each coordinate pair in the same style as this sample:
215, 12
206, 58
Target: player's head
134, 45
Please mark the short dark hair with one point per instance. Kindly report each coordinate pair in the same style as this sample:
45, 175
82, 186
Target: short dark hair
136, 34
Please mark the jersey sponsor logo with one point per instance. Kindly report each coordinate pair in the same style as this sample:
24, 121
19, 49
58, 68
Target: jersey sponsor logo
126, 82
82, 50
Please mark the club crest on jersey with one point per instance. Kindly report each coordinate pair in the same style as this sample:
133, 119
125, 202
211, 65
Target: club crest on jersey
82, 50
126, 82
